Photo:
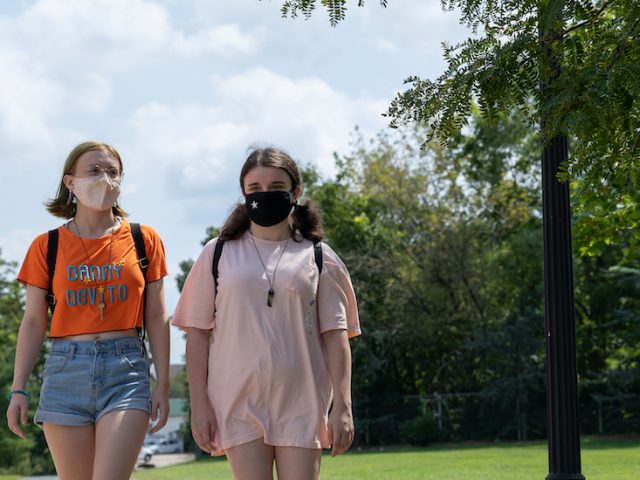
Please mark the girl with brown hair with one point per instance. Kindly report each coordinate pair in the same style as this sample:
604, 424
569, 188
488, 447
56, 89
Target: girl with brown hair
267, 336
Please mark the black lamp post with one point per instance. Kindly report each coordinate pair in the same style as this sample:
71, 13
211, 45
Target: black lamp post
562, 390
562, 385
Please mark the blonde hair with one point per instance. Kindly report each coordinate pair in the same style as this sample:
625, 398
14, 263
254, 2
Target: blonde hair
60, 205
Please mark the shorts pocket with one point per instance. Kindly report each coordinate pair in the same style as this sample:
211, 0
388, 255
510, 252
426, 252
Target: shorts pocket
54, 364
135, 361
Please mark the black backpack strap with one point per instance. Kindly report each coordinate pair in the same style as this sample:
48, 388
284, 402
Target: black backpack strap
52, 255
143, 261
317, 253
141, 251
217, 252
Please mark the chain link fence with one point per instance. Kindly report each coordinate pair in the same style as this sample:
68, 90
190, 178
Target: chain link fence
388, 419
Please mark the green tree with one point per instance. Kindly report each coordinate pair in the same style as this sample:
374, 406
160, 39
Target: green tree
430, 236
595, 99
573, 65
16, 455
180, 385
608, 314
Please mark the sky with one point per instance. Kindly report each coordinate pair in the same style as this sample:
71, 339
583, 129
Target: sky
182, 89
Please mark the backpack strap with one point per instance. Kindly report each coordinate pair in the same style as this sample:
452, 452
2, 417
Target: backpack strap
141, 252
317, 254
52, 255
217, 252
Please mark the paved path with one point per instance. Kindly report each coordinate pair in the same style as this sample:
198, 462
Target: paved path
164, 460
160, 460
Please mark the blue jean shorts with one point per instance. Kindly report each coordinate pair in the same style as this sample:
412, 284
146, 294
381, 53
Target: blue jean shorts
85, 380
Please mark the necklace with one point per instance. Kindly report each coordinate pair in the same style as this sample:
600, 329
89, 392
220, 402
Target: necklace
270, 293
102, 305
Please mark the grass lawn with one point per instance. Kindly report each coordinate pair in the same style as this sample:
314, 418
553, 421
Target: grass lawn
602, 459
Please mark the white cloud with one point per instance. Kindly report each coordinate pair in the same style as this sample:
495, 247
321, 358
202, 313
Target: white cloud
418, 23
28, 98
14, 244
204, 146
306, 113
118, 33
190, 141
92, 93
32, 102
62, 60
124, 21
385, 45
223, 40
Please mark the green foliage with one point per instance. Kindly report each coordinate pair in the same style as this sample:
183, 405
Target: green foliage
593, 98
336, 9
185, 265
185, 268
29, 456
575, 64
179, 387
608, 337
210, 234
420, 431
444, 247
438, 242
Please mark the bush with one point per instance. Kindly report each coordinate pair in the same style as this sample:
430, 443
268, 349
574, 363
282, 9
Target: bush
420, 431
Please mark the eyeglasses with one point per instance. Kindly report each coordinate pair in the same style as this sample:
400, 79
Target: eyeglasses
96, 171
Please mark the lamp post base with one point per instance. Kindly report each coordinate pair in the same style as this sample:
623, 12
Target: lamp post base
565, 476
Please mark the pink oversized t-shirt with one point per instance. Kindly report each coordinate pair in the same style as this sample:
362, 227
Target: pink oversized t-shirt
268, 376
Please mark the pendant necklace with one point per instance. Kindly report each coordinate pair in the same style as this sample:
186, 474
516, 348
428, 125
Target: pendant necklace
100, 288
270, 293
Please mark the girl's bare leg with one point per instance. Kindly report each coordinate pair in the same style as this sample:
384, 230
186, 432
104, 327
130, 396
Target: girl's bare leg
119, 437
72, 449
295, 463
251, 461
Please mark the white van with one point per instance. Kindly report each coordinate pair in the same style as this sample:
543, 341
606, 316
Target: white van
169, 445
164, 445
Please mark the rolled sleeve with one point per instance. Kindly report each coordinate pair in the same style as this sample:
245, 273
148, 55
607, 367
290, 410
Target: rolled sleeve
337, 305
34, 270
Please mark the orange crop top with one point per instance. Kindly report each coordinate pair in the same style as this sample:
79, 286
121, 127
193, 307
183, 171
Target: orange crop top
103, 270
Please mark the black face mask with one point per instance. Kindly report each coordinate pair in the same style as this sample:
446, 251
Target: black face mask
268, 208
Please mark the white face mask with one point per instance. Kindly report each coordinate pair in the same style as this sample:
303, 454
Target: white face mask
96, 193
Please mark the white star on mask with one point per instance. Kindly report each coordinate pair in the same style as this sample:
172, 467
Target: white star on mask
254, 205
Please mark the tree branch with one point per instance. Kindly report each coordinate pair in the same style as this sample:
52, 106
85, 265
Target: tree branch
592, 20
620, 48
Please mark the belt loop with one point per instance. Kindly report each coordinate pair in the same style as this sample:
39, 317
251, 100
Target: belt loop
72, 351
119, 348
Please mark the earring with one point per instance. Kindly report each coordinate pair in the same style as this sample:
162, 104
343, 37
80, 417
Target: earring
71, 199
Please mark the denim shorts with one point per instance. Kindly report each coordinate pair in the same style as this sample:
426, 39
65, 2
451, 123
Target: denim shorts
85, 380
